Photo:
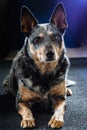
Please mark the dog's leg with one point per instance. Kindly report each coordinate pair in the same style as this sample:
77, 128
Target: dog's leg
23, 97
57, 120
58, 99
27, 116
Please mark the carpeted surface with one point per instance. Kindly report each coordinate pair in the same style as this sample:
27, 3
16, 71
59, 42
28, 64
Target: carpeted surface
76, 112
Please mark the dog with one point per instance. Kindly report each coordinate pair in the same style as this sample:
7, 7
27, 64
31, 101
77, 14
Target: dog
39, 71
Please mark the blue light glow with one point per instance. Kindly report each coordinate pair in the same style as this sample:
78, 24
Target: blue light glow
82, 1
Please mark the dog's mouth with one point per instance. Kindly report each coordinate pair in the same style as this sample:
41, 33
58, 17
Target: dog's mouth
50, 60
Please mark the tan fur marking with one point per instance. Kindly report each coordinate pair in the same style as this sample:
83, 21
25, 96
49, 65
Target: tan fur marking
46, 67
57, 120
50, 33
32, 50
43, 66
27, 117
40, 54
58, 89
27, 94
58, 50
41, 34
69, 92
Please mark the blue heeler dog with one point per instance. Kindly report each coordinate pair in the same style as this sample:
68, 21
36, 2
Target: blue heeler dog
39, 71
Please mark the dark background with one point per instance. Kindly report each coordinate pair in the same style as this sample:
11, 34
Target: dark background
11, 37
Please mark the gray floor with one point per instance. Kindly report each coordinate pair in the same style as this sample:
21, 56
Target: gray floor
76, 112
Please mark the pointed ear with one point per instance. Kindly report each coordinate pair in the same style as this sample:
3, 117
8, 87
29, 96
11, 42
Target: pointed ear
28, 20
59, 17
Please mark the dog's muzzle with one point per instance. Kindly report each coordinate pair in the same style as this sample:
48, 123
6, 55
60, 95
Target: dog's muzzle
50, 55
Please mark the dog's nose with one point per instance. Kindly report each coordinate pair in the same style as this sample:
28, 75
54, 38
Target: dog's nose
50, 54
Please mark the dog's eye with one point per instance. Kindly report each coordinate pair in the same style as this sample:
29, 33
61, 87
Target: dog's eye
54, 37
37, 40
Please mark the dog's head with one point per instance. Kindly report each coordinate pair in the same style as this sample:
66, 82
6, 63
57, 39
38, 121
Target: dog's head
45, 41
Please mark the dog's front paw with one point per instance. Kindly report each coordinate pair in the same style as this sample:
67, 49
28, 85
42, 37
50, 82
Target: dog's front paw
55, 123
29, 123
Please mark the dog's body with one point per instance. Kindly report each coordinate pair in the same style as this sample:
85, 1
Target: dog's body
39, 70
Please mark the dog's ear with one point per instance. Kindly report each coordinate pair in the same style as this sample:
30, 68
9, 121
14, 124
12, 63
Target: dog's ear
28, 20
58, 17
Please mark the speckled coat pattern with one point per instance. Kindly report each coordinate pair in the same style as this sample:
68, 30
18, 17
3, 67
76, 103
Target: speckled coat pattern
39, 71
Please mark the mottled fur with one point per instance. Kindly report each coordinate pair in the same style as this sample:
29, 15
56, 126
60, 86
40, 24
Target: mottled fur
39, 71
